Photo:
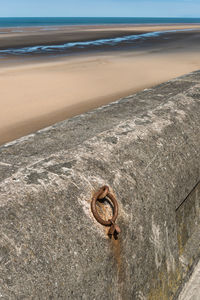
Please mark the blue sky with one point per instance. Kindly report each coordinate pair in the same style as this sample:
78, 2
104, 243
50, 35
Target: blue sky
100, 8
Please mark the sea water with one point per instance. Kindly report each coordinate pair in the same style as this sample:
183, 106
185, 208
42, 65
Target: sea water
30, 22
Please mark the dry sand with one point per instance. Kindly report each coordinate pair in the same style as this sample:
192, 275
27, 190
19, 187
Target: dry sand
36, 95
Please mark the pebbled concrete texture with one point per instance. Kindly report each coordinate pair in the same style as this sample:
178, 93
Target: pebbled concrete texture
146, 148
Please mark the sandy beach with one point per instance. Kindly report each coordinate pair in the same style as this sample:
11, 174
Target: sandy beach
39, 91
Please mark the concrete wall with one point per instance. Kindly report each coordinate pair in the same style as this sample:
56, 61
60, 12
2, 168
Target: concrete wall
146, 148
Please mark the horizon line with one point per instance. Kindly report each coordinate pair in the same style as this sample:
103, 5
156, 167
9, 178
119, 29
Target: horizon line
102, 17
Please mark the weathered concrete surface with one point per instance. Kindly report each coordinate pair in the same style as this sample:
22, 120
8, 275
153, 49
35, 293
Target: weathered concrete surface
191, 290
146, 147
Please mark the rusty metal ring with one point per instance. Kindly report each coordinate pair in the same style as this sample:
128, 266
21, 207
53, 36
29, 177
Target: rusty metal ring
98, 195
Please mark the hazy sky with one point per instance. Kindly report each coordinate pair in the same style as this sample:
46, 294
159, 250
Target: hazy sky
98, 8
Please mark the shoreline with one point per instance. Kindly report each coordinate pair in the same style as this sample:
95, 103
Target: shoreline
39, 91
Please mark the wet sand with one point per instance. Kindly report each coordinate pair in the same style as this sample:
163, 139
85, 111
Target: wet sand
39, 93
31, 36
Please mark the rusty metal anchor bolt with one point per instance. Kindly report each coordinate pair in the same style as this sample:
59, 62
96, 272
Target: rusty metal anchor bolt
103, 193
